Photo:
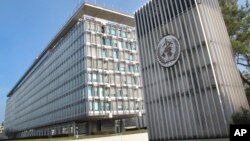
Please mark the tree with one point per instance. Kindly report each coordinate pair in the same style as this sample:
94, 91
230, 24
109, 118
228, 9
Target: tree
241, 117
237, 19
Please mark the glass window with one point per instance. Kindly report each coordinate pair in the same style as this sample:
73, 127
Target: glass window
101, 92
116, 54
119, 44
107, 106
119, 33
133, 46
89, 77
123, 34
100, 78
130, 68
128, 45
103, 41
96, 106
136, 68
103, 29
108, 42
117, 66
104, 53
94, 78
122, 67
95, 91
113, 32
120, 105
89, 91
107, 29
90, 106
131, 57
134, 80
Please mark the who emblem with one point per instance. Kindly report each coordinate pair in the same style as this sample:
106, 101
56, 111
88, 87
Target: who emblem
168, 51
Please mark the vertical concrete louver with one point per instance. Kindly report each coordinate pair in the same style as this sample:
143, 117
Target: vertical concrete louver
195, 97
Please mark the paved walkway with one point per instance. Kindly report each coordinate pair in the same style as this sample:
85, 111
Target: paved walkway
137, 137
131, 137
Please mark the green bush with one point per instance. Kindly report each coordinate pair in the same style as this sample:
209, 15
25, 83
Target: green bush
241, 117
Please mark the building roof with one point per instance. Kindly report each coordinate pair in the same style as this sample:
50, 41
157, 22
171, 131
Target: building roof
85, 9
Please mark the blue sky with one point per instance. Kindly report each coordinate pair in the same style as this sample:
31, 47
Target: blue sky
27, 26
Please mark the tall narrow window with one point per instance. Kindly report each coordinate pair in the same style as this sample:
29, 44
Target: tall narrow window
116, 54
101, 92
90, 106
113, 31
89, 91
104, 53
96, 106
103, 41
94, 77
119, 44
100, 78
122, 67
107, 106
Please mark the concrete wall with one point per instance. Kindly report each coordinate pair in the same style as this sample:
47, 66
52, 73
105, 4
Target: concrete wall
195, 97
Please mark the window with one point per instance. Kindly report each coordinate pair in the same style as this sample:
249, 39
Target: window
133, 46
105, 53
117, 66
131, 57
133, 80
107, 106
107, 29
101, 92
89, 91
103, 41
98, 26
119, 33
103, 29
108, 42
122, 67
116, 54
119, 44
96, 106
130, 68
90, 106
94, 77
100, 78
123, 34
120, 105
89, 77
95, 91
113, 32
136, 68
128, 45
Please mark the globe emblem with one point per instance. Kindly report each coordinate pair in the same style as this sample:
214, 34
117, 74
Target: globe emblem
168, 51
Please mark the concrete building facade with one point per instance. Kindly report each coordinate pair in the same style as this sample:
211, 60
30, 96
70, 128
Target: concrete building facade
87, 80
190, 81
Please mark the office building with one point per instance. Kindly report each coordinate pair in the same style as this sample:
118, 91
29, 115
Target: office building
190, 80
87, 80
1, 129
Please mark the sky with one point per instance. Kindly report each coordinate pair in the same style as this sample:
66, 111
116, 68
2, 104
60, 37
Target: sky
26, 28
